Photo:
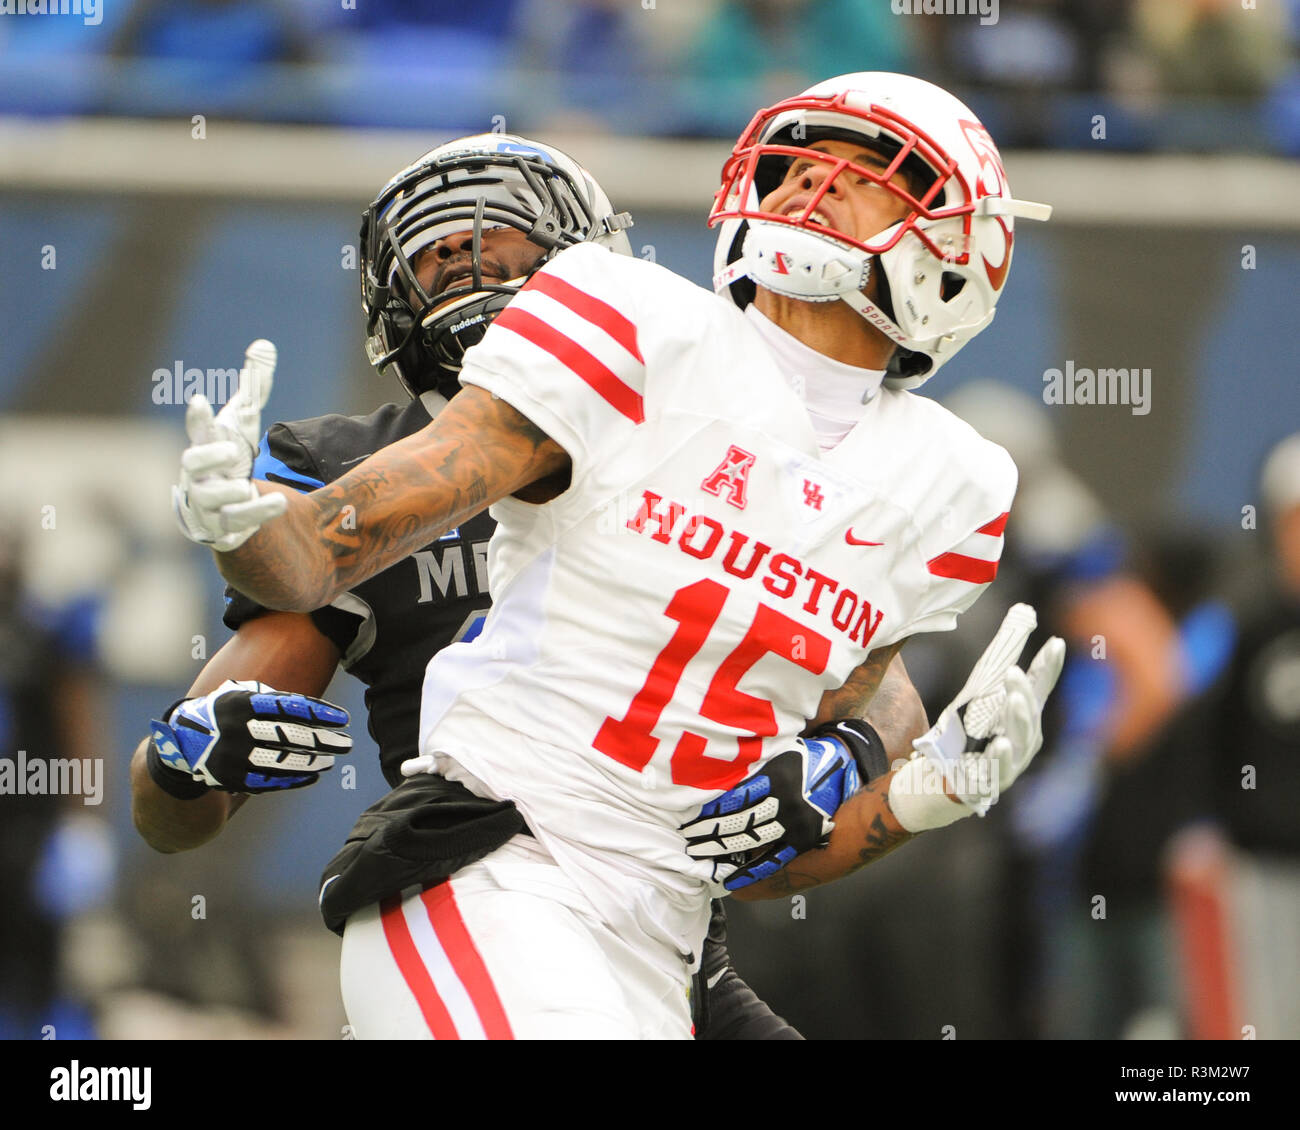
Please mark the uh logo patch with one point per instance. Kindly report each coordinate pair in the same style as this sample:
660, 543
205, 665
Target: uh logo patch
810, 492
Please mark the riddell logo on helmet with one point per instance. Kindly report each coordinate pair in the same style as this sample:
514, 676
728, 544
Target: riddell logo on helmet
987, 10
458, 326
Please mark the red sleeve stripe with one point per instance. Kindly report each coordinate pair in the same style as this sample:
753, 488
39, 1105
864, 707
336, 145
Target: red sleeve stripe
995, 527
962, 568
598, 313
607, 383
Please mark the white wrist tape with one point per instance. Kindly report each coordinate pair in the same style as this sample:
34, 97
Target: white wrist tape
918, 798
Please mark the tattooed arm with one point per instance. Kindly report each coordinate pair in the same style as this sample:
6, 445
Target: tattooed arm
477, 451
880, 692
865, 828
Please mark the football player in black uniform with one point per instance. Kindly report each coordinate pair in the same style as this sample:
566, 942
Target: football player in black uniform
444, 247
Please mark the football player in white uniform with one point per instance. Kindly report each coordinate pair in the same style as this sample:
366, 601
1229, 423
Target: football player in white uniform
200, 763
714, 526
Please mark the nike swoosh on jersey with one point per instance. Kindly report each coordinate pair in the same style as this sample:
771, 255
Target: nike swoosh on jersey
848, 537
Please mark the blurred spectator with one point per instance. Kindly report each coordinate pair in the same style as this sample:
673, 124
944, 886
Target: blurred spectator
490, 19
55, 856
231, 32
1212, 47
1230, 752
1239, 901
752, 53
1124, 677
590, 65
1256, 708
1173, 74
232, 58
1210, 66
1152, 788
1036, 49
1258, 720
445, 30
1284, 104
441, 65
1046, 43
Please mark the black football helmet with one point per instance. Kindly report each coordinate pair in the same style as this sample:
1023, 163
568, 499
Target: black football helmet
472, 185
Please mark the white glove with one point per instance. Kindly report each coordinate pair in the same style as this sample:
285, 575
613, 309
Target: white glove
985, 737
216, 502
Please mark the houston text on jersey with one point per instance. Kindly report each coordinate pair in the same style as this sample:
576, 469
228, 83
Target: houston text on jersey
701, 537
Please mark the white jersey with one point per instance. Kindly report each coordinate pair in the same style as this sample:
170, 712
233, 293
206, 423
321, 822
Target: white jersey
672, 619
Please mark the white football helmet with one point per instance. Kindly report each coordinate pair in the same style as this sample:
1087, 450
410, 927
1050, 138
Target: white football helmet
473, 184
942, 266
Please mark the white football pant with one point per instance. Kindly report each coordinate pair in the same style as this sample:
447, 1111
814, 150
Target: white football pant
507, 948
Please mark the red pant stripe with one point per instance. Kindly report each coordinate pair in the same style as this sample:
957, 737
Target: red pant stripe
444, 916
412, 968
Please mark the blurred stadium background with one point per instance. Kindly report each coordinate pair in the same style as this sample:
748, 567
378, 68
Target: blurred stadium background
179, 178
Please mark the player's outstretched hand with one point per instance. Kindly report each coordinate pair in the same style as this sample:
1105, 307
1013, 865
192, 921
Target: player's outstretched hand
787, 808
246, 737
215, 500
986, 737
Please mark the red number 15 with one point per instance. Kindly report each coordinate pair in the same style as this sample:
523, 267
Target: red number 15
696, 609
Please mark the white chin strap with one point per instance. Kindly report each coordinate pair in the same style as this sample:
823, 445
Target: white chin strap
878, 318
798, 263
801, 264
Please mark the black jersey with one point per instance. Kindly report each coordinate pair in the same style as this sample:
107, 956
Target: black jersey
387, 628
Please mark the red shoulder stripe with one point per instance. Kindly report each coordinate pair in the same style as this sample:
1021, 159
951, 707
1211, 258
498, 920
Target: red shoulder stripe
586, 306
570, 354
995, 527
962, 568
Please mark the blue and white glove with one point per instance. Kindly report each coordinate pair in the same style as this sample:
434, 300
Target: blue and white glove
245, 737
756, 828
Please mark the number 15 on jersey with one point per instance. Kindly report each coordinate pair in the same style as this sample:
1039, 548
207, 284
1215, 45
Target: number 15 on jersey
696, 609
